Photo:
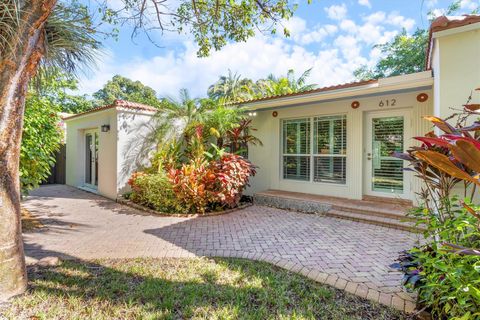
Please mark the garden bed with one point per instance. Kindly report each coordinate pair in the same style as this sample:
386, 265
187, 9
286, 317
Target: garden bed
124, 201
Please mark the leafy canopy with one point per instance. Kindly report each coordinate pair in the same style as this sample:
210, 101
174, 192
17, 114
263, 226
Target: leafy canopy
126, 89
405, 53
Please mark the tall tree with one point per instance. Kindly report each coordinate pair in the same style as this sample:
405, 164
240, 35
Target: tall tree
35, 32
232, 88
126, 89
274, 86
403, 55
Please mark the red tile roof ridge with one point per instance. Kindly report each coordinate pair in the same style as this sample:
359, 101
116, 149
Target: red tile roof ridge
444, 23
317, 90
116, 103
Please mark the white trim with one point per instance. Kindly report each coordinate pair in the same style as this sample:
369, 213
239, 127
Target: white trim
452, 31
410, 81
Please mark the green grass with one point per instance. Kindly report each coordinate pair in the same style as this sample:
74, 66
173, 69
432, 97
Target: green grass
183, 289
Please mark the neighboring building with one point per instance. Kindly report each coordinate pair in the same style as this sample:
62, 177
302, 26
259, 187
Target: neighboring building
336, 141
104, 146
333, 141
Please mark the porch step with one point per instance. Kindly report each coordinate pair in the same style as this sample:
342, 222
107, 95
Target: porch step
376, 220
383, 213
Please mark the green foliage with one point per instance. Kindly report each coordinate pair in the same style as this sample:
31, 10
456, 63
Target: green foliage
449, 281
233, 89
125, 89
41, 138
54, 84
403, 55
447, 268
154, 191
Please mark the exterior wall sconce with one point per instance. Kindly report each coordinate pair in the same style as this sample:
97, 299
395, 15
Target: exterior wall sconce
105, 128
252, 114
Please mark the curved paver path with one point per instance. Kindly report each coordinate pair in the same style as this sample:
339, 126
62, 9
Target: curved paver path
346, 254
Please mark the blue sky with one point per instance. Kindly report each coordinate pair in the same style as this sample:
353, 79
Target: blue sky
332, 37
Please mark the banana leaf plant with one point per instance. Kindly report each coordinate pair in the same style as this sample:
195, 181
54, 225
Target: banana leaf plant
444, 160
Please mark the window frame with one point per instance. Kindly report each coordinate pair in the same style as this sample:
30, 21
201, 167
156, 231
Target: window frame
311, 154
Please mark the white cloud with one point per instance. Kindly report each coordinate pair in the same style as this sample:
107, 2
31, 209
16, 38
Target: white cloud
342, 48
337, 12
365, 3
469, 5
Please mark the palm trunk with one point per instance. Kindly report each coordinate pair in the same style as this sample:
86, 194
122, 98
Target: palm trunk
16, 70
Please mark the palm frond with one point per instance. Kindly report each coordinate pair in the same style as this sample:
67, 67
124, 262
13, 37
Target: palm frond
70, 40
9, 20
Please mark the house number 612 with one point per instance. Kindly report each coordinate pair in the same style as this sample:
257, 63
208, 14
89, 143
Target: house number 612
387, 103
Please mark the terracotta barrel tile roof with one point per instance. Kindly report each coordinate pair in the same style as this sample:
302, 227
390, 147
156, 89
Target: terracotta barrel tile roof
444, 23
318, 90
116, 104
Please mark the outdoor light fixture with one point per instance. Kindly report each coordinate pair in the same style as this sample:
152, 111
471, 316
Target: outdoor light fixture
105, 128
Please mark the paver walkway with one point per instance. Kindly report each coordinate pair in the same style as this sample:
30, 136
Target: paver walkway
347, 254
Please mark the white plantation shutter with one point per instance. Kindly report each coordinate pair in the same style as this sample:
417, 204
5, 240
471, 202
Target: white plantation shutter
325, 160
330, 148
387, 138
296, 149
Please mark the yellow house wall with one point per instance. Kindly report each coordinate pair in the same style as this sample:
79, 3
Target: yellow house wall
456, 64
268, 156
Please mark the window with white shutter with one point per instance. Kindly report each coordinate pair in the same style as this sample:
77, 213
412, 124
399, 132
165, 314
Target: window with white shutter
296, 149
330, 149
325, 160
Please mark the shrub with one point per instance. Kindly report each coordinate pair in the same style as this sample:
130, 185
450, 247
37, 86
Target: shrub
202, 186
193, 185
153, 191
232, 173
446, 270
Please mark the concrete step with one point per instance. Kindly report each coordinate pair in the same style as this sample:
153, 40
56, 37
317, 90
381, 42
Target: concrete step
382, 213
376, 220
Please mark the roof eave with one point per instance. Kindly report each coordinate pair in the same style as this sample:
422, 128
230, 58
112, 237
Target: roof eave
410, 81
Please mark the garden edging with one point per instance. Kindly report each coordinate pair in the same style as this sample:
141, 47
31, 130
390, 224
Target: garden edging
137, 206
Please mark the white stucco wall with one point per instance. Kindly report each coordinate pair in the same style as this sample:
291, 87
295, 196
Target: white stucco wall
132, 145
267, 157
107, 153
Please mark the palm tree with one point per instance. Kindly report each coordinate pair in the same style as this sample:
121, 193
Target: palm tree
33, 34
231, 88
275, 86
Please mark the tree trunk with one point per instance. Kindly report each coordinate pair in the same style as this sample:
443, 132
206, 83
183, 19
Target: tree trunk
16, 69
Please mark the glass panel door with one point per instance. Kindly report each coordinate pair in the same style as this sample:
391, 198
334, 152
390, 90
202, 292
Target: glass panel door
91, 158
383, 174
387, 137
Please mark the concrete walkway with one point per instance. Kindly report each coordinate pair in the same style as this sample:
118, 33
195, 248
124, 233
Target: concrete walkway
346, 254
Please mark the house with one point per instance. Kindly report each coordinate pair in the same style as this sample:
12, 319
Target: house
336, 141
104, 146
333, 141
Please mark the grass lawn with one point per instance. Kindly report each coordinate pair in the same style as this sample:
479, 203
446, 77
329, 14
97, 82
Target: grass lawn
183, 289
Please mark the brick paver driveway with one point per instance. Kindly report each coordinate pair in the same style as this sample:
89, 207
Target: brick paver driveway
349, 255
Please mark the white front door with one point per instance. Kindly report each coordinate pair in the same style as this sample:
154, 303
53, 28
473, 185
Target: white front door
91, 158
384, 175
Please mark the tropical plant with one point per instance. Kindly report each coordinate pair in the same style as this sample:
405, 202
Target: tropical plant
50, 32
274, 86
445, 271
41, 138
153, 191
125, 89
232, 88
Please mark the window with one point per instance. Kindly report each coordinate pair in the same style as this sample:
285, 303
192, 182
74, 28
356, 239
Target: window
329, 149
324, 160
296, 149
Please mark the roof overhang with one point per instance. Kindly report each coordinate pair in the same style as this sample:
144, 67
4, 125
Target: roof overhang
449, 25
415, 81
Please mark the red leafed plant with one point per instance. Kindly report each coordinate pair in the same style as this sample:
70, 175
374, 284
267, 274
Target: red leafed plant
232, 174
202, 185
